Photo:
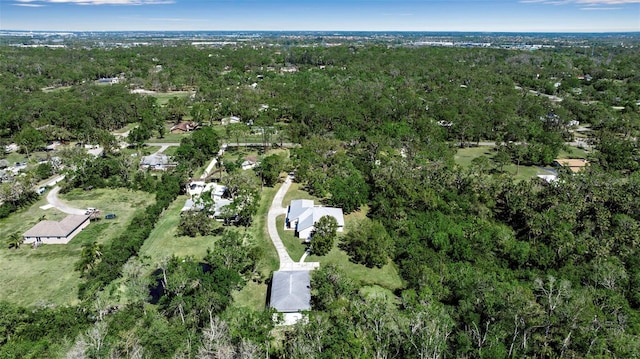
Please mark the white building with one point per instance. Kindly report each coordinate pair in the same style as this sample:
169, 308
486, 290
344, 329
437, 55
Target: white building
302, 215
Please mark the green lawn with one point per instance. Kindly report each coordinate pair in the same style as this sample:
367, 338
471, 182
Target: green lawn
297, 192
46, 275
295, 246
162, 98
254, 295
464, 156
260, 234
168, 137
574, 152
163, 242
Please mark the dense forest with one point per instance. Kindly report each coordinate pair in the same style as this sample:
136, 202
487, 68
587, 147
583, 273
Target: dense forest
493, 265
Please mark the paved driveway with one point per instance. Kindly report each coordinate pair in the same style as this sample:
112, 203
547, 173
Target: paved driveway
53, 200
276, 209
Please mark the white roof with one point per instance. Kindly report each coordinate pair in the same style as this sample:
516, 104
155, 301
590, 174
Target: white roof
307, 214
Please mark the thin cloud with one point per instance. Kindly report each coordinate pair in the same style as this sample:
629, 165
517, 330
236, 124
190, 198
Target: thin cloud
29, 5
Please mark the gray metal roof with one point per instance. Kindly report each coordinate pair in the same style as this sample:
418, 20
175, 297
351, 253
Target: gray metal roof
56, 229
291, 291
298, 207
308, 219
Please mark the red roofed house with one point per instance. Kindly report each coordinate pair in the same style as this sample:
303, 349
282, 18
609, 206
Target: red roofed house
184, 126
52, 232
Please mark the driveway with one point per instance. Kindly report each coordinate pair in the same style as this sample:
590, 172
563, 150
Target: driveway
276, 209
53, 200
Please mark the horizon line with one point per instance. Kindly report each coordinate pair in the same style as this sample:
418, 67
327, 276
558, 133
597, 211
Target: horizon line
347, 31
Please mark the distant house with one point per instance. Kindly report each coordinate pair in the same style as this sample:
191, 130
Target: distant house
195, 190
291, 294
158, 161
229, 120
302, 215
52, 232
108, 80
575, 165
184, 127
249, 162
196, 187
548, 178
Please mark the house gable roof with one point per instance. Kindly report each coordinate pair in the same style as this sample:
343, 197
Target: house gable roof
313, 215
291, 291
56, 229
298, 207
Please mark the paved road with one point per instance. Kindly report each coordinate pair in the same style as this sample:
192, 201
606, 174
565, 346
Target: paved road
53, 200
276, 209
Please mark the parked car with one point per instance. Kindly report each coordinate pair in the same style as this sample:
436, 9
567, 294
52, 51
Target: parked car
110, 216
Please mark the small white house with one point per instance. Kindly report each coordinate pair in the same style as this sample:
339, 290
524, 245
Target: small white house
52, 232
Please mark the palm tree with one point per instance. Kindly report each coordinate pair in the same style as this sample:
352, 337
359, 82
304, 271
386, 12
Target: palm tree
90, 257
15, 240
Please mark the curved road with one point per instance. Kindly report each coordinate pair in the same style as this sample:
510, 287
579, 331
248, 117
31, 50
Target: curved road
53, 200
276, 209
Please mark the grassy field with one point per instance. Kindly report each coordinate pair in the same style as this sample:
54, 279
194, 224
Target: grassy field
297, 192
46, 276
295, 246
464, 156
168, 137
163, 242
162, 98
574, 152
254, 295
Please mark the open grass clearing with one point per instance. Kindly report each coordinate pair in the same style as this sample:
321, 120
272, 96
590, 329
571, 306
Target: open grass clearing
254, 295
385, 277
464, 156
296, 191
295, 246
162, 98
46, 275
163, 242
168, 137
574, 152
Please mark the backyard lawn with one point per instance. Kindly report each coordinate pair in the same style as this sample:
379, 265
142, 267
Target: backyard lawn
163, 242
46, 276
386, 277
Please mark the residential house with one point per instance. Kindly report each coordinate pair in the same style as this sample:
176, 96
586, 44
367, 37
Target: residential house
158, 162
302, 215
195, 190
250, 162
290, 295
184, 127
229, 120
575, 165
52, 232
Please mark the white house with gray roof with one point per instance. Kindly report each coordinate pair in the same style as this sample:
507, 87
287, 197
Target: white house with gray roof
302, 215
291, 294
53, 232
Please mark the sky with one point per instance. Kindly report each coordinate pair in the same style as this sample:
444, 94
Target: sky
323, 15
